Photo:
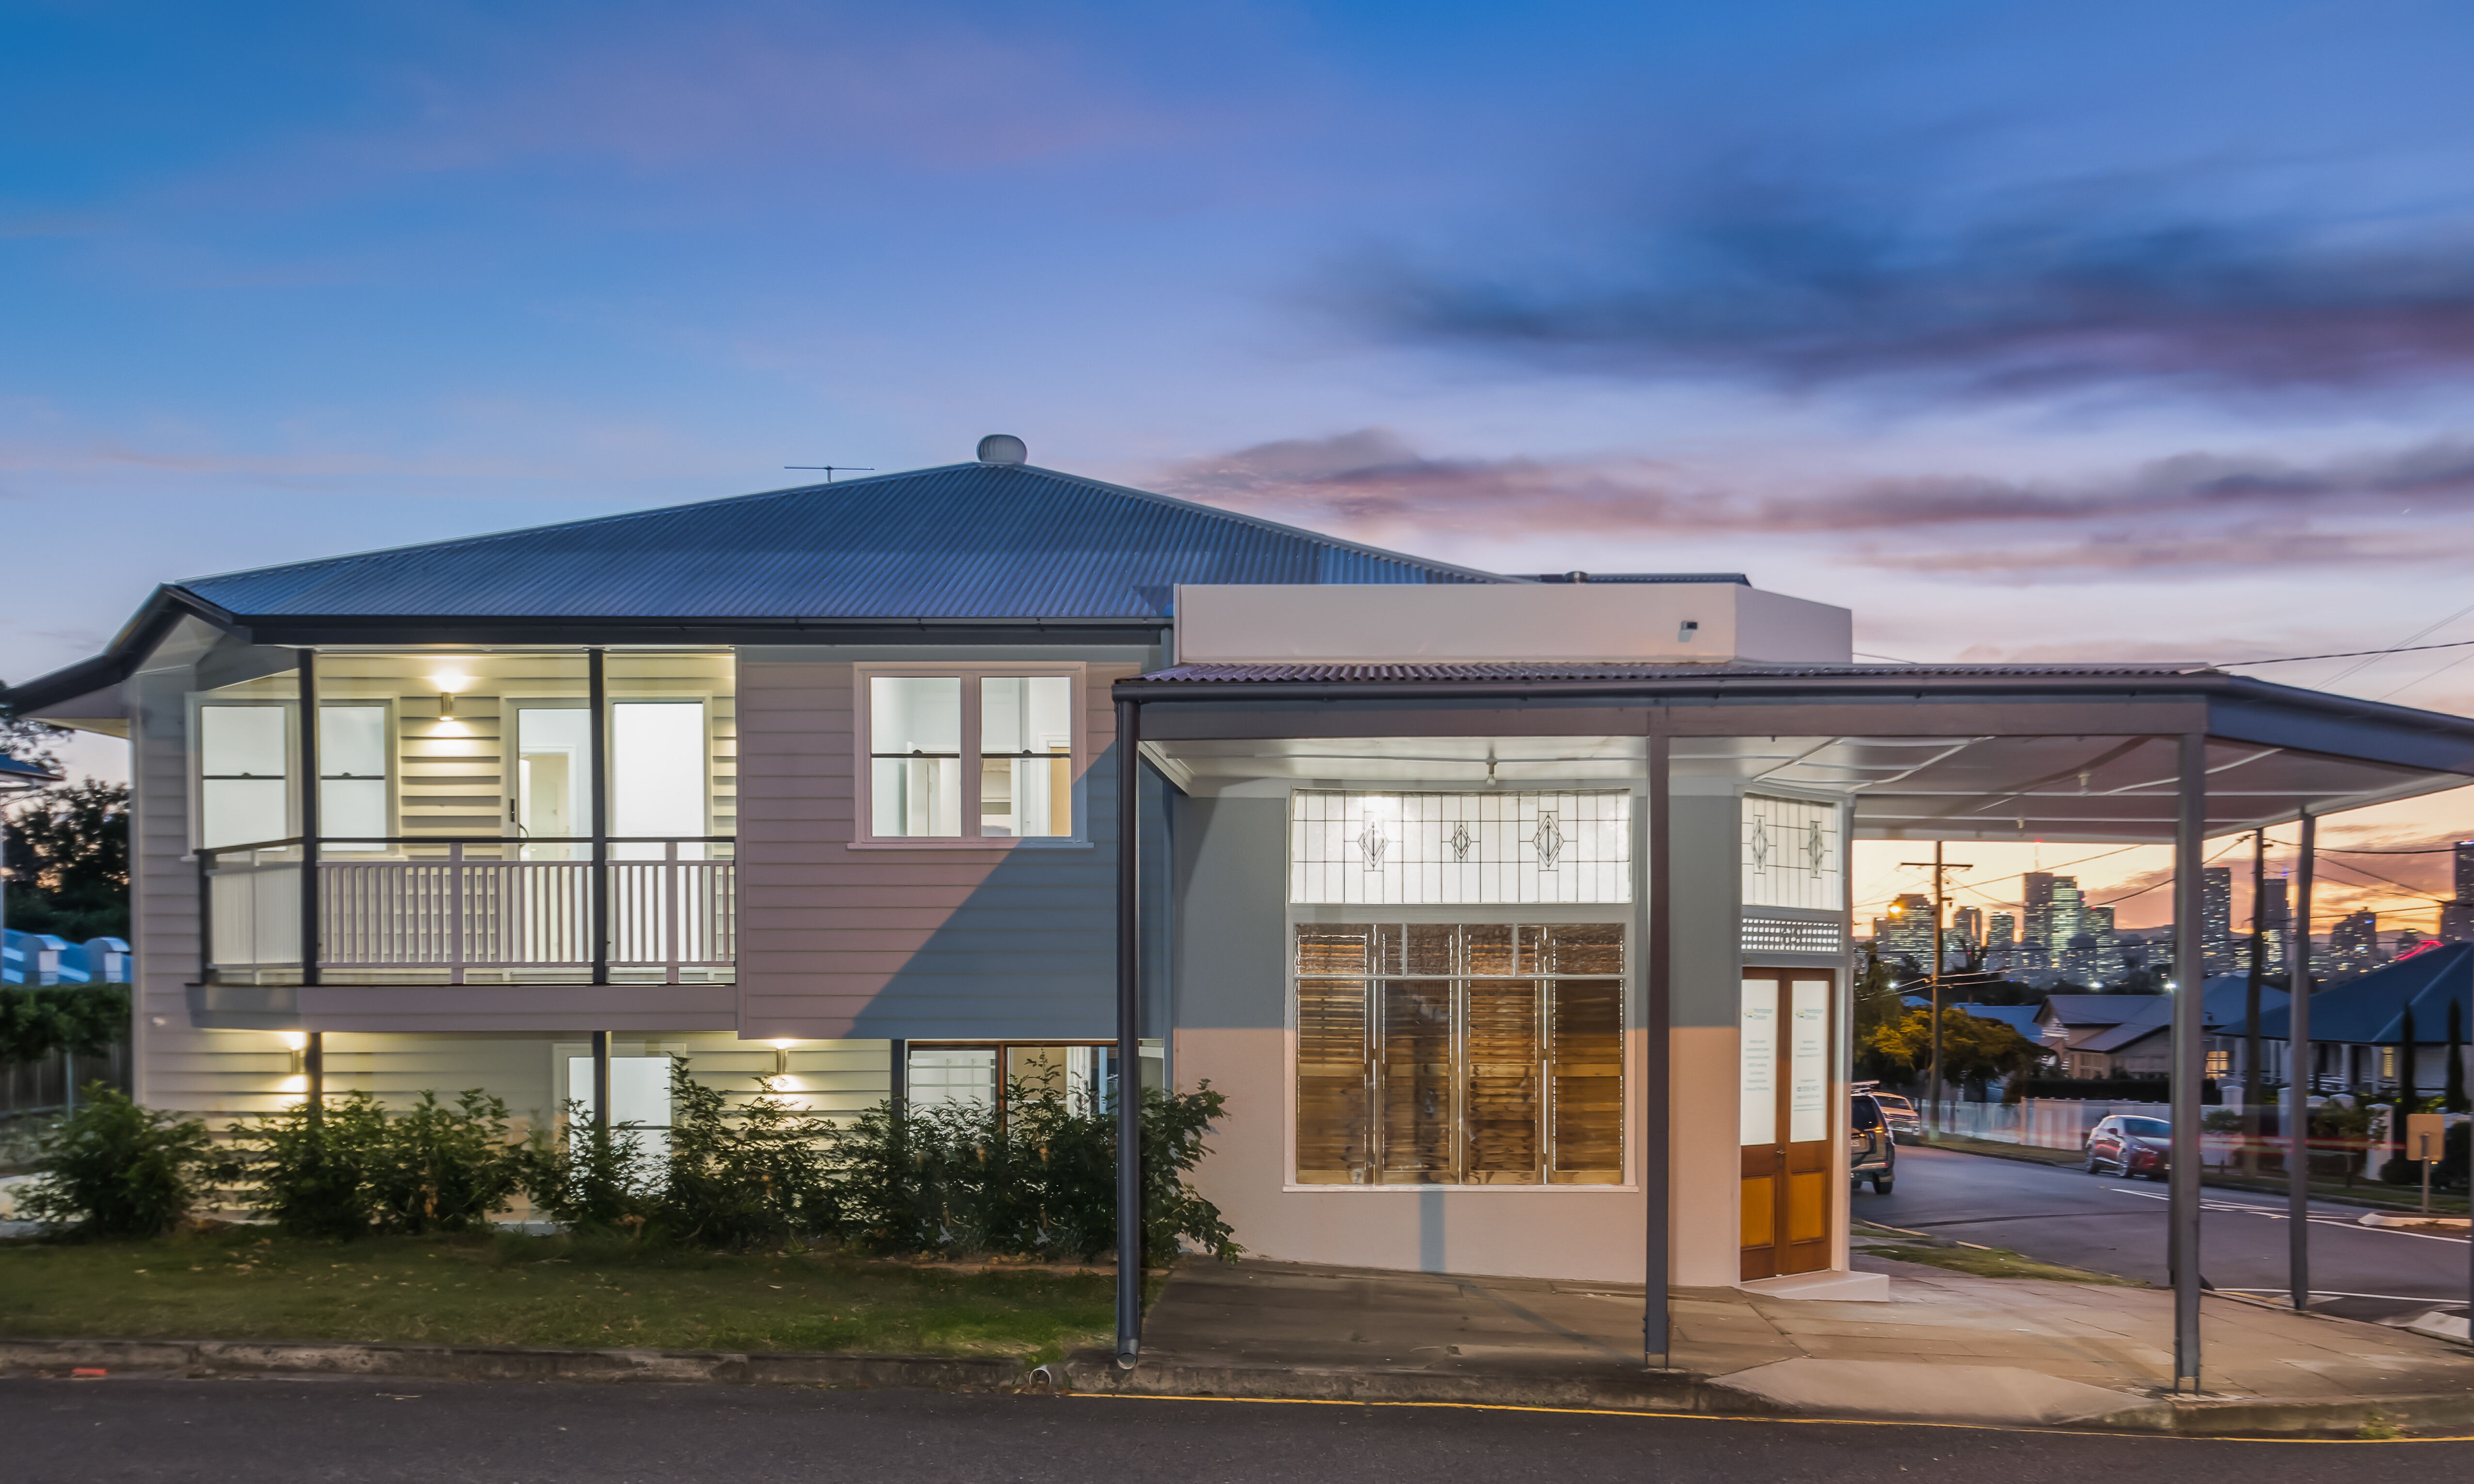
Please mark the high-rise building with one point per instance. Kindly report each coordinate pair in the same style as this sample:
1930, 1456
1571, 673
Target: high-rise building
2456, 922
2217, 919
2273, 911
1969, 924
2466, 870
2036, 917
2353, 946
2066, 918
1907, 932
2000, 931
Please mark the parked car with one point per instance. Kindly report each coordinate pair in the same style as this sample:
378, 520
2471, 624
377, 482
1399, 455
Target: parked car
1872, 1149
2130, 1145
1907, 1125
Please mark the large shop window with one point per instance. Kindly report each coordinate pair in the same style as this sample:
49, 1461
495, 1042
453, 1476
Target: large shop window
1460, 1053
969, 755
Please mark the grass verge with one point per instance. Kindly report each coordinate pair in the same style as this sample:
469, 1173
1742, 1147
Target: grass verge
1980, 1261
539, 1291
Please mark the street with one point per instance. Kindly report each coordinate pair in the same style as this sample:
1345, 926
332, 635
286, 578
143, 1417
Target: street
2114, 1225
146, 1432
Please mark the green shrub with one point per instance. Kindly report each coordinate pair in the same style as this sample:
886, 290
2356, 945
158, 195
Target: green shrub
309, 1171
115, 1169
1039, 1181
37, 1020
443, 1169
590, 1178
752, 1178
352, 1169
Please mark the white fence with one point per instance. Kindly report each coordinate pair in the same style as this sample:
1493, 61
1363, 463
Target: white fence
494, 914
2042, 1123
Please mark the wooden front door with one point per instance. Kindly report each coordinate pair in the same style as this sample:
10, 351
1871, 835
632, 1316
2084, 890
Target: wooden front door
1784, 1120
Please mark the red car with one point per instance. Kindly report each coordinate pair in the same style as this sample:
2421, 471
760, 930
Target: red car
2130, 1145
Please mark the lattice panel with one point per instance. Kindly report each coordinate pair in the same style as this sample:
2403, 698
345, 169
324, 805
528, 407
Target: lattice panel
1453, 849
1791, 934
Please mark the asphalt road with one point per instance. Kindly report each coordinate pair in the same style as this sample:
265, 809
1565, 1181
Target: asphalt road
142, 1431
2112, 1225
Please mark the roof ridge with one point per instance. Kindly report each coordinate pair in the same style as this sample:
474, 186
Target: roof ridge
1170, 501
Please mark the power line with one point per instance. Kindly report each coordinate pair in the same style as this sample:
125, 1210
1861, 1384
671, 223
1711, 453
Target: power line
2347, 654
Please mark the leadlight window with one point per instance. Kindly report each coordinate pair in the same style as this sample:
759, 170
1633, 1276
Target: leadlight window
1790, 855
1467, 1053
1458, 849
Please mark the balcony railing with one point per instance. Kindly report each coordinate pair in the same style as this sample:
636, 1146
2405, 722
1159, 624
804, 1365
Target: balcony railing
475, 909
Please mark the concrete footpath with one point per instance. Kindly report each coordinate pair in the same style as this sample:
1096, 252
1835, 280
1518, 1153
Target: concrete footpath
1945, 1347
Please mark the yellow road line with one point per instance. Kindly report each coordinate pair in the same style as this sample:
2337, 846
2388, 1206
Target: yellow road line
1719, 1416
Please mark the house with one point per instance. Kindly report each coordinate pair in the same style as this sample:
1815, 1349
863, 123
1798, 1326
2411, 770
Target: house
2358, 1027
2131, 1034
1511, 912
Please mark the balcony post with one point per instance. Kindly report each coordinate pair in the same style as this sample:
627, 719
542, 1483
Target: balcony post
597, 699
308, 668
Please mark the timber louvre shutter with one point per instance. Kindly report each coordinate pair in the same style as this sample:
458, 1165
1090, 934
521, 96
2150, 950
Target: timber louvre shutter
1460, 1053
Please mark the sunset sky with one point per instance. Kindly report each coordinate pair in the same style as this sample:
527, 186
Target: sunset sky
2027, 331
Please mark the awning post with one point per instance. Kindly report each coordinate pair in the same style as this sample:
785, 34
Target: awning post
1658, 1071
1129, 1080
2189, 1062
2297, 1077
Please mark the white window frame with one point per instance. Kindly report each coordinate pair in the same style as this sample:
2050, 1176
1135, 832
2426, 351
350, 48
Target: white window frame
194, 751
863, 773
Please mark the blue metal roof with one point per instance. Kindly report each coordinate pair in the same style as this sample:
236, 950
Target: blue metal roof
966, 541
2371, 1010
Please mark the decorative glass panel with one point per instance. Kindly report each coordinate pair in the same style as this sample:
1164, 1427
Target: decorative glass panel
1758, 1075
1791, 855
1449, 849
1808, 1049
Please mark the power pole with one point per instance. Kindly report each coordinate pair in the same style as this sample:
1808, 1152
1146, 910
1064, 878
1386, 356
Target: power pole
1941, 870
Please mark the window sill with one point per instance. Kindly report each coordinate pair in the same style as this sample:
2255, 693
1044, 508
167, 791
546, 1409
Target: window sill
946, 842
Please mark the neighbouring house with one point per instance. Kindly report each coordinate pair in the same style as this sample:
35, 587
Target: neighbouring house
2131, 1034
2358, 1027
1510, 912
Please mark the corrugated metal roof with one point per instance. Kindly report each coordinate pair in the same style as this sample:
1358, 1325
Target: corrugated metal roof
966, 541
2371, 1010
1229, 674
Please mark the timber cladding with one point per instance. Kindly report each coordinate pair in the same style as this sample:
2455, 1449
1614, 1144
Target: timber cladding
944, 940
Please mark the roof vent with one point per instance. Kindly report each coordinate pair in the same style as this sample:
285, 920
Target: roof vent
1003, 448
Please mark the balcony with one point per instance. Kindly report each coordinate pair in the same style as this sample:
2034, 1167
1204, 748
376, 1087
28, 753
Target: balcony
472, 909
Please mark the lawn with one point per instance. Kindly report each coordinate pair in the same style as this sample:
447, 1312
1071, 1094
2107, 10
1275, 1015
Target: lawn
1966, 1258
542, 1291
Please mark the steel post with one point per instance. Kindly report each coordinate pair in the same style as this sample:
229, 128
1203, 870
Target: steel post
1658, 1072
2190, 1062
1129, 1047
2297, 1077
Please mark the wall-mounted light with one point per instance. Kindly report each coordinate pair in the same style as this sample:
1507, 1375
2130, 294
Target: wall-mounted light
782, 1057
297, 1044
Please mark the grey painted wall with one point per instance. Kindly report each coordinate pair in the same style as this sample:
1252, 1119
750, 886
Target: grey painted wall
1232, 969
1705, 921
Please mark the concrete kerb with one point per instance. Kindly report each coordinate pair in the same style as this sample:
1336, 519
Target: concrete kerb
1096, 1372
510, 1363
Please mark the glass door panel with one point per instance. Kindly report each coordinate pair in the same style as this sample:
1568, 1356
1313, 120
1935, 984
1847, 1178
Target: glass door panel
657, 776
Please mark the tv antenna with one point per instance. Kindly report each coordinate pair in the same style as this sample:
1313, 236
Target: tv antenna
830, 469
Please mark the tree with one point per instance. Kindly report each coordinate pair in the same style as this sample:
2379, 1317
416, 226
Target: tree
68, 861
31, 741
1973, 1051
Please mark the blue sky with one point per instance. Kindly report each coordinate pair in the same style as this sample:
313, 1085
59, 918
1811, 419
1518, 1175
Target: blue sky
2026, 330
